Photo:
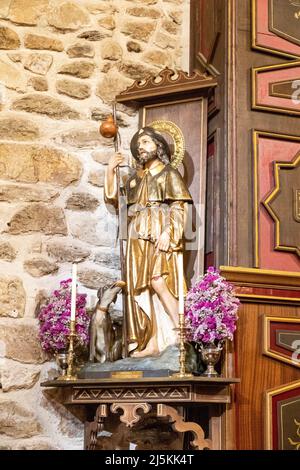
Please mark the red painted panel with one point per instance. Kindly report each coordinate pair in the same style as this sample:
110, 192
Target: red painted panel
271, 292
266, 38
262, 88
276, 409
274, 327
270, 150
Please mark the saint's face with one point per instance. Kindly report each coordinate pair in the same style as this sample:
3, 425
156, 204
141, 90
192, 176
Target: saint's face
147, 148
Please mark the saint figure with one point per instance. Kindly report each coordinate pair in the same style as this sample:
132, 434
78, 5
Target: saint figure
156, 198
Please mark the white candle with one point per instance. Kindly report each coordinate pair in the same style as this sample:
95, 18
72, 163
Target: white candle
180, 285
73, 293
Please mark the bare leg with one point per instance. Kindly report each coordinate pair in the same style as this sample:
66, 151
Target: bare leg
170, 305
169, 302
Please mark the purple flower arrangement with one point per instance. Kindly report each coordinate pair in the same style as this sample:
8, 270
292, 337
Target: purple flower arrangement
211, 309
54, 319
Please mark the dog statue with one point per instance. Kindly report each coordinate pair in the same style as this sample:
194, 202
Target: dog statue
105, 334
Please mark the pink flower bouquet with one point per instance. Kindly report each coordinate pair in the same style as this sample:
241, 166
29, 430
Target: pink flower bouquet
55, 316
211, 309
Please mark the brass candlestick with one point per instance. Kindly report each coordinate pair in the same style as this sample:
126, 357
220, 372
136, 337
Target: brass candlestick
182, 329
70, 375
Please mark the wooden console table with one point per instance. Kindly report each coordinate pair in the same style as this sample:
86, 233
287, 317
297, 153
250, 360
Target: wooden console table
163, 395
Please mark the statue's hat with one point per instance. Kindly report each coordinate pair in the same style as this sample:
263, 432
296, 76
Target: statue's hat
154, 134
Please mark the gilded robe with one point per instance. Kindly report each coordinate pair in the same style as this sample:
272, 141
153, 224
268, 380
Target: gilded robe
156, 200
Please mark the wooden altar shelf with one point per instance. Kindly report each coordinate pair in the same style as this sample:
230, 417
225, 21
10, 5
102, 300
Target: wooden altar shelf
137, 397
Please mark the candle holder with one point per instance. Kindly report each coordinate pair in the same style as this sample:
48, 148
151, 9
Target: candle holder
182, 329
70, 375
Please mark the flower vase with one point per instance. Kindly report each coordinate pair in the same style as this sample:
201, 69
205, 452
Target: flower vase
210, 355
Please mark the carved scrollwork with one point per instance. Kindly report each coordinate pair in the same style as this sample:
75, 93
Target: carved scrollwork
92, 429
291, 441
168, 81
130, 416
178, 424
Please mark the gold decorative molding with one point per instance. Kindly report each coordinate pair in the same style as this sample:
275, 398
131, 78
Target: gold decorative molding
264, 285
268, 68
167, 82
279, 243
277, 354
282, 89
254, 36
291, 441
297, 205
275, 29
268, 402
256, 135
265, 277
179, 425
130, 416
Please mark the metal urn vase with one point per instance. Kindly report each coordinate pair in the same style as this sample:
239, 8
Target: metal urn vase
210, 355
62, 361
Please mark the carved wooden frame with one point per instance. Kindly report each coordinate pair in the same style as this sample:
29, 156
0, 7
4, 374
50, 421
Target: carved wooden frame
256, 134
255, 71
268, 402
266, 48
267, 349
277, 166
167, 83
264, 285
276, 31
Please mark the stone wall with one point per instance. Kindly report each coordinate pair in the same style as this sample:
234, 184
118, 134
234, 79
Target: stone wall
61, 64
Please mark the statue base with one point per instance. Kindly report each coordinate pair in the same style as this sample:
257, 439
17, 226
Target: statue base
164, 365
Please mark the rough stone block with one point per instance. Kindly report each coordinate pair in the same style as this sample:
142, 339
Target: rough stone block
22, 343
68, 16
12, 297
39, 267
36, 41
38, 218
9, 38
43, 104
79, 91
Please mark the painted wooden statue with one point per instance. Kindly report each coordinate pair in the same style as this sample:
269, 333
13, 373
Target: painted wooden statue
156, 197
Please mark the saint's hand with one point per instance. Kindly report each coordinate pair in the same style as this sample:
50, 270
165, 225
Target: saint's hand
163, 243
115, 161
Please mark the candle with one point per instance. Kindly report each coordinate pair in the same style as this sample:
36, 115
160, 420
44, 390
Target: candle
73, 294
180, 285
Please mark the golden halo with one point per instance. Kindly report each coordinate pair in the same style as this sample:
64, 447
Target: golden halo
178, 139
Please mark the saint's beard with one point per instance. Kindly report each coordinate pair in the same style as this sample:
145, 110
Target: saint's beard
145, 156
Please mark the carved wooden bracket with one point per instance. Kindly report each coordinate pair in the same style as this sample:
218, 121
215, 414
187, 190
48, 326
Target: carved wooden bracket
92, 429
130, 416
178, 424
167, 82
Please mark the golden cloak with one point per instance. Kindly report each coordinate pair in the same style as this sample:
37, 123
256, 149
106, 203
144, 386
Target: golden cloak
156, 201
